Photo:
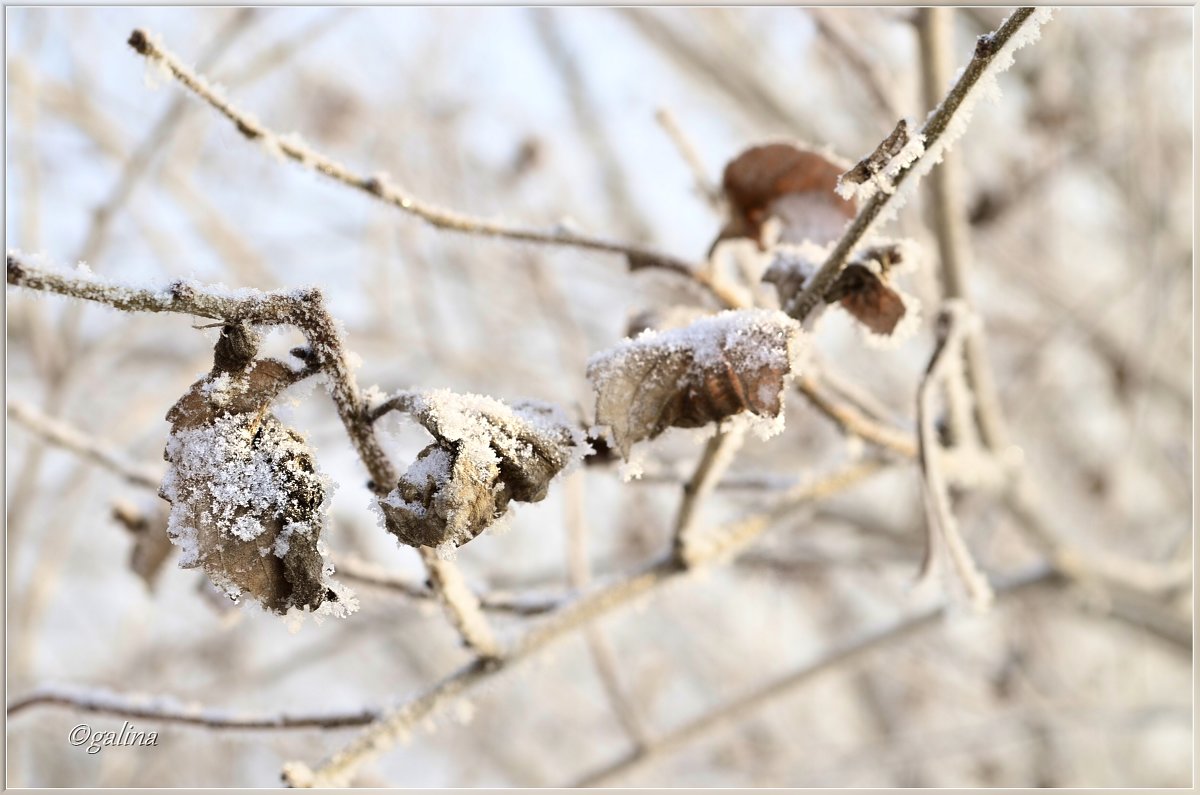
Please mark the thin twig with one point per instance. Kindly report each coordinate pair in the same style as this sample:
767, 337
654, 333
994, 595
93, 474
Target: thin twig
705, 186
599, 647
1089, 566
382, 188
855, 422
716, 459
123, 705
71, 438
935, 26
400, 722
304, 309
591, 120
723, 64
736, 709
987, 50
869, 73
518, 604
942, 527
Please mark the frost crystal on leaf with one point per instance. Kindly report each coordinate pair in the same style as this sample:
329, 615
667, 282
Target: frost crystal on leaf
247, 502
486, 454
689, 377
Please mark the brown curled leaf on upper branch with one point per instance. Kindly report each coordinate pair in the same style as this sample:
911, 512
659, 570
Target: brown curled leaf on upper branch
796, 186
247, 502
484, 456
694, 375
864, 288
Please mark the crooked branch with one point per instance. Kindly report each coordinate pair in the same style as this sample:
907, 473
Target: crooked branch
400, 722
304, 309
382, 188
728, 714
88, 447
993, 53
160, 710
943, 532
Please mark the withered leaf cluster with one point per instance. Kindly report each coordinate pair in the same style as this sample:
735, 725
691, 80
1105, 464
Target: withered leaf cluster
247, 501
797, 188
484, 456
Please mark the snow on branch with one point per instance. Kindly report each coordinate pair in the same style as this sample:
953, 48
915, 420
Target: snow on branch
945, 123
292, 147
722, 543
166, 709
942, 528
77, 441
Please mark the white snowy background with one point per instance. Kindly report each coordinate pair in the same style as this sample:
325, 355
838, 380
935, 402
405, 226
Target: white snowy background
1083, 280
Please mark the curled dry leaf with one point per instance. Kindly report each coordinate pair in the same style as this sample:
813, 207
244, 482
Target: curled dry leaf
247, 502
797, 186
863, 288
866, 296
713, 368
486, 454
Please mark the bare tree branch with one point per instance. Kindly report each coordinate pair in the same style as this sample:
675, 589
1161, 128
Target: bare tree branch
988, 50
705, 186
517, 604
737, 709
398, 723
942, 527
935, 26
855, 423
382, 188
88, 447
159, 710
868, 71
599, 647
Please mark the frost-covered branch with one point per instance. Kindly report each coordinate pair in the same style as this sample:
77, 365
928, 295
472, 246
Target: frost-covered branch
942, 526
951, 226
161, 709
88, 447
716, 459
737, 709
519, 604
401, 722
993, 54
855, 422
381, 187
1088, 566
304, 309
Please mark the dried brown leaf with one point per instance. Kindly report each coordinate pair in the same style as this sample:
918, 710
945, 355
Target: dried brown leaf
688, 377
485, 456
867, 296
247, 502
783, 181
